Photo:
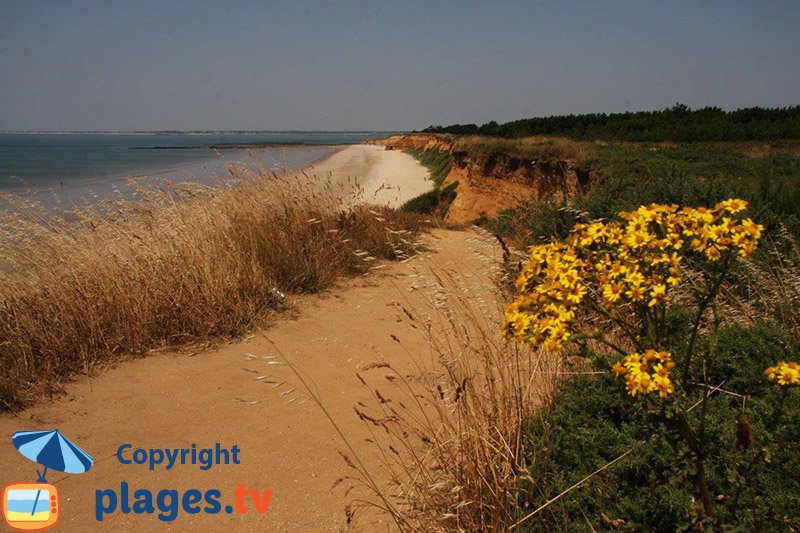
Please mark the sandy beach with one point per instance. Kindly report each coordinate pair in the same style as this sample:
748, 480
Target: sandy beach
372, 174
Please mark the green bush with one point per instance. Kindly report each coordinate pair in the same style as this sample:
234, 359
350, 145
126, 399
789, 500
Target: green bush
438, 162
532, 222
695, 174
592, 423
433, 202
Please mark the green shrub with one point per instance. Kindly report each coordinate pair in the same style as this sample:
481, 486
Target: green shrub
698, 174
433, 202
695, 174
438, 162
592, 423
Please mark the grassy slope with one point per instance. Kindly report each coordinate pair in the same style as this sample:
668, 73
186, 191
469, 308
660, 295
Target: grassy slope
436, 201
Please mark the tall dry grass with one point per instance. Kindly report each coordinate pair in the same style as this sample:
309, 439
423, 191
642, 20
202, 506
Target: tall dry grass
178, 266
449, 432
767, 286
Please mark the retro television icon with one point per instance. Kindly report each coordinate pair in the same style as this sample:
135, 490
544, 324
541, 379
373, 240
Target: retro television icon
30, 506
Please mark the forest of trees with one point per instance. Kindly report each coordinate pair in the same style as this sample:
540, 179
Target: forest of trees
678, 123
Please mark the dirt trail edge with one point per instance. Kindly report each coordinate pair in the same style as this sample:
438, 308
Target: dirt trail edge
240, 394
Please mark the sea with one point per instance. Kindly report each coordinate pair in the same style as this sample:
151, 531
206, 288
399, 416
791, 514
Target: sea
67, 170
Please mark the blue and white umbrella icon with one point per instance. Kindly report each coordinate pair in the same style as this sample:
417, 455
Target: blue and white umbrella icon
52, 450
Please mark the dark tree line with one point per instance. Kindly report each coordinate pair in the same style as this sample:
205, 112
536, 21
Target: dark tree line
678, 123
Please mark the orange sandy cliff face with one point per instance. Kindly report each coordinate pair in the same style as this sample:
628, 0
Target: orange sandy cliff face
420, 141
489, 183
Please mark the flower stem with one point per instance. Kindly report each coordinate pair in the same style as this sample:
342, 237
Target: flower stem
701, 309
695, 446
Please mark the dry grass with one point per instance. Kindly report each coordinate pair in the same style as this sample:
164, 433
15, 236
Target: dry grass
449, 433
179, 266
767, 286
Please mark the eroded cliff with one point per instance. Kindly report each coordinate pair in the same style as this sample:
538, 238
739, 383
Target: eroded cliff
490, 182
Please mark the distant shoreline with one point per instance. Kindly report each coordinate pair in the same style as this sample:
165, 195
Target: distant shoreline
234, 146
70, 162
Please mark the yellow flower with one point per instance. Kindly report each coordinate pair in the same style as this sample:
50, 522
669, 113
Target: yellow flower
612, 292
637, 239
734, 205
771, 373
633, 259
575, 294
657, 294
674, 240
674, 277
551, 345
635, 293
663, 385
646, 373
634, 277
785, 374
712, 252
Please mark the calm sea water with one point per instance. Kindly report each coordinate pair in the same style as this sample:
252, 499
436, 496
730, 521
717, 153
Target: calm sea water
77, 168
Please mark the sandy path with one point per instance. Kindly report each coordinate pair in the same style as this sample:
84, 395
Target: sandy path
172, 400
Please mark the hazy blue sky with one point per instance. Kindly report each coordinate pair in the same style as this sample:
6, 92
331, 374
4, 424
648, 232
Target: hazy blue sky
139, 65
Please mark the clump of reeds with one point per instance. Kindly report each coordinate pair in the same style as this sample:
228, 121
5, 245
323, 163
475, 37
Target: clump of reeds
449, 432
177, 266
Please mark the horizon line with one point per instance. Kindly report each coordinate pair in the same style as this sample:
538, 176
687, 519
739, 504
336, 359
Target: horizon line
195, 131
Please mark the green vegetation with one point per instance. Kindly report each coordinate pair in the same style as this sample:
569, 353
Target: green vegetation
433, 202
753, 459
436, 201
437, 161
765, 174
678, 123
752, 442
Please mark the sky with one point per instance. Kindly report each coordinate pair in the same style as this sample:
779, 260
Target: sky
399, 65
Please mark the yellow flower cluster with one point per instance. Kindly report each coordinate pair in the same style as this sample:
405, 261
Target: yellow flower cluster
784, 373
635, 260
646, 373
550, 286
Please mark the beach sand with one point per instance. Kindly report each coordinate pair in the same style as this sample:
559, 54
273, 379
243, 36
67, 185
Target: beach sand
371, 174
